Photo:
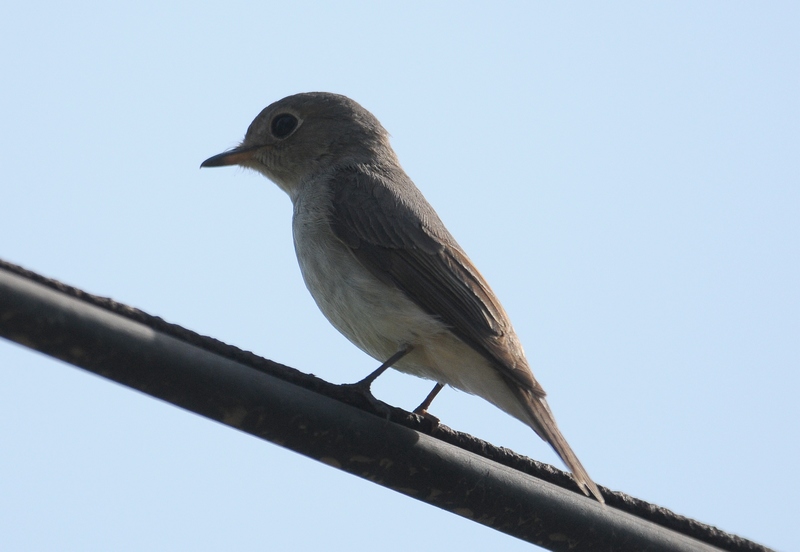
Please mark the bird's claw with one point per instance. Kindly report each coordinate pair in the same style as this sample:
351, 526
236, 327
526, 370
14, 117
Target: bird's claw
360, 394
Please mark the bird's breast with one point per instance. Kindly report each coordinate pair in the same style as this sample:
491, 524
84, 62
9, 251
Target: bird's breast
376, 316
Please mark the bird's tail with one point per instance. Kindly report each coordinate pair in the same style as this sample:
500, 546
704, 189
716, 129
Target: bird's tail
544, 424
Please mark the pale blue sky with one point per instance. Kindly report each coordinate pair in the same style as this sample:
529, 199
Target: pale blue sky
627, 177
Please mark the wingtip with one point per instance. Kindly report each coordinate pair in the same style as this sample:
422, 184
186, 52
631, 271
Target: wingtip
542, 421
590, 489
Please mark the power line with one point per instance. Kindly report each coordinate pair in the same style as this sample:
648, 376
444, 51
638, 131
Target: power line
332, 424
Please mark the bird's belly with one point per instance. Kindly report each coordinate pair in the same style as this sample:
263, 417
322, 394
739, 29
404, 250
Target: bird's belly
376, 317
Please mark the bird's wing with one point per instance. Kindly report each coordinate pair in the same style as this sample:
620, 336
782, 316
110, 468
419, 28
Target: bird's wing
396, 234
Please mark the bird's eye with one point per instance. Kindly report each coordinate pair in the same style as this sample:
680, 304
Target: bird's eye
283, 125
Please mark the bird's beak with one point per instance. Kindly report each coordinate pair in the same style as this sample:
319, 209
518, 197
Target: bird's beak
235, 156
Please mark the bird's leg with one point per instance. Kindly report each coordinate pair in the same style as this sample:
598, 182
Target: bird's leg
422, 409
367, 381
362, 388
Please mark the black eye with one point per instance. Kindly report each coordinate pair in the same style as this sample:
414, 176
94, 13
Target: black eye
283, 125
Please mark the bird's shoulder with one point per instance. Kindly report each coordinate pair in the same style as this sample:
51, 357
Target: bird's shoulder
381, 206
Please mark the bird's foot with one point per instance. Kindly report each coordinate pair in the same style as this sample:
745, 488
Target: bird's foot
360, 394
422, 409
363, 388
432, 420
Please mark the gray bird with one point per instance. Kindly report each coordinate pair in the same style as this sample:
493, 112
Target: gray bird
382, 267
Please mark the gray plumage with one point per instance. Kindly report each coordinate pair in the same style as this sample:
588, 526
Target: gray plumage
381, 265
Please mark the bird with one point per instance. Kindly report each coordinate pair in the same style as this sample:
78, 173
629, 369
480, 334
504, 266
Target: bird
382, 267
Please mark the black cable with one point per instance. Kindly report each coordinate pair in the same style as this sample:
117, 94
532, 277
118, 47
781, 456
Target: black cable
435, 464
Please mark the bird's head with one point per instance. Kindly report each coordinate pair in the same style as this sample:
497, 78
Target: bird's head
306, 135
